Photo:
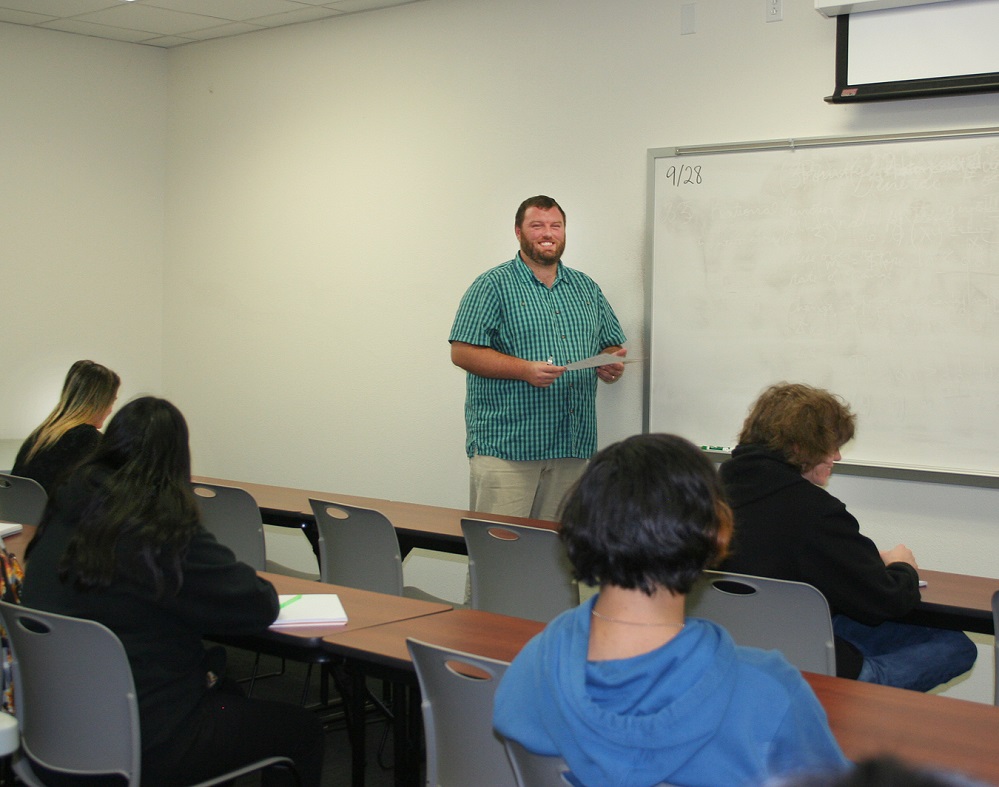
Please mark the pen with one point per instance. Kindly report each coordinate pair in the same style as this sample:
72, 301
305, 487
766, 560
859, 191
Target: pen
292, 600
551, 360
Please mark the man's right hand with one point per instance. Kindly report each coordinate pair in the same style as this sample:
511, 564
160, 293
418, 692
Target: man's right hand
541, 374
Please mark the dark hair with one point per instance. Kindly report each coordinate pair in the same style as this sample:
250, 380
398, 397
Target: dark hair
541, 202
141, 513
648, 512
803, 423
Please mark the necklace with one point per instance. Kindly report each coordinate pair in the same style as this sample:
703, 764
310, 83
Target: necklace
635, 622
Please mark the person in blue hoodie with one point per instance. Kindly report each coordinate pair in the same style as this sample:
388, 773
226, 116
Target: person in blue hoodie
625, 688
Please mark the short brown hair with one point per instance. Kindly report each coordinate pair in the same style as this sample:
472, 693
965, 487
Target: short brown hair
541, 202
805, 424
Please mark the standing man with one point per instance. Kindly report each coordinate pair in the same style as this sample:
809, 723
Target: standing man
531, 424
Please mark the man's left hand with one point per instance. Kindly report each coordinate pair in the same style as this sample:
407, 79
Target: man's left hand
611, 372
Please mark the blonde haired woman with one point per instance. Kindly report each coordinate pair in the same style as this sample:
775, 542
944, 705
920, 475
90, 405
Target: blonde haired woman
71, 432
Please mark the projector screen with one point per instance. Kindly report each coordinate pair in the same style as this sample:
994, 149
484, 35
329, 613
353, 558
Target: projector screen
942, 48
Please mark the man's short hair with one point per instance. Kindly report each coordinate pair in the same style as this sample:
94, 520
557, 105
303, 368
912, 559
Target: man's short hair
541, 202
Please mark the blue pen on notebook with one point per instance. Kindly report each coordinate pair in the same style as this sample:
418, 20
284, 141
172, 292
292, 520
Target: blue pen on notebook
292, 600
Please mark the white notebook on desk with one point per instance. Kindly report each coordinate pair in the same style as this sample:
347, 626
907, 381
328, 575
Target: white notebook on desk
310, 609
9, 529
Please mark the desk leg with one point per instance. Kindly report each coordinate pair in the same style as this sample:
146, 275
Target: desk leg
406, 737
352, 687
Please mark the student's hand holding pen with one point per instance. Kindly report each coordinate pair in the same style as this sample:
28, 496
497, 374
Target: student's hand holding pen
899, 554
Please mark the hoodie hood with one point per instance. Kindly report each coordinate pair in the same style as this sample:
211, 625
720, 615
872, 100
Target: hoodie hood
621, 711
755, 472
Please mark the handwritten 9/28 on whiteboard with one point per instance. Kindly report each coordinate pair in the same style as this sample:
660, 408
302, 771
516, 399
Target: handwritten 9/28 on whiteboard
684, 175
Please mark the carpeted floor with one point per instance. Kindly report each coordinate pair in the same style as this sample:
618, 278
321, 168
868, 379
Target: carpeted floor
288, 687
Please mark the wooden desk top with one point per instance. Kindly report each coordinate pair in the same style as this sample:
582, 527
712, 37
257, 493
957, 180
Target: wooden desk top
949, 600
961, 597
866, 719
437, 521
364, 608
924, 729
473, 631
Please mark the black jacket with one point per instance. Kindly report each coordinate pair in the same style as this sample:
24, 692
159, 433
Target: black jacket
52, 465
788, 528
162, 637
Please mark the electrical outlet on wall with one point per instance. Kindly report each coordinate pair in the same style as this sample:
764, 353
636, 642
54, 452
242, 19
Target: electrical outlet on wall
688, 19
773, 10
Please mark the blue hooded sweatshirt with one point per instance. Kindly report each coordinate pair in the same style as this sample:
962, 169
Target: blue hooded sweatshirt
698, 711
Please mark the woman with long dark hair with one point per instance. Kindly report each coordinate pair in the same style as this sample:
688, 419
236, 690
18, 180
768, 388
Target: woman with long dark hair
71, 431
122, 543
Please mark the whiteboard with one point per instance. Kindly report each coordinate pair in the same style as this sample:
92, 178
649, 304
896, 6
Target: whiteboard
868, 266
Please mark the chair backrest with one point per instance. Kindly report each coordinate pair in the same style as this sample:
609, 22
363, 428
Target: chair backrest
76, 702
995, 642
22, 500
773, 614
457, 690
518, 570
536, 770
358, 547
233, 517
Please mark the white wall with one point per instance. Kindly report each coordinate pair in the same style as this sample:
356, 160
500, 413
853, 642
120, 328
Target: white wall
82, 157
335, 186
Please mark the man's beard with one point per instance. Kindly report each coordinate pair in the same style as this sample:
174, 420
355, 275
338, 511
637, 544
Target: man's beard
542, 255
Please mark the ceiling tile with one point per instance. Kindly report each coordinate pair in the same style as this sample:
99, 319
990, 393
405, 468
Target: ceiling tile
222, 31
303, 14
135, 16
60, 8
100, 31
22, 17
169, 23
231, 10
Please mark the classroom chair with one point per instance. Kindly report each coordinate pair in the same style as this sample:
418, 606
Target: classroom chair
233, 517
358, 547
773, 614
518, 570
70, 722
457, 692
22, 500
995, 642
539, 770
535, 770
